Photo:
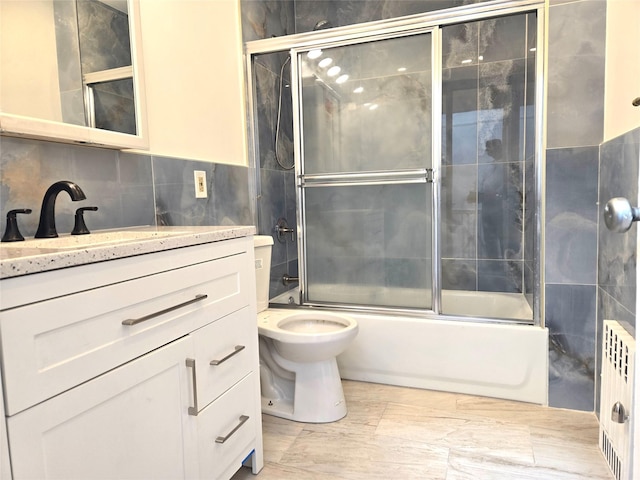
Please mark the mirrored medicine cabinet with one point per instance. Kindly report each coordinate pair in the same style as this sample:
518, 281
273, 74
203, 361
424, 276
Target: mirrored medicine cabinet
71, 71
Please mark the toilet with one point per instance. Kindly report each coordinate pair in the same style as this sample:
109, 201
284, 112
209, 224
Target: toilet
299, 377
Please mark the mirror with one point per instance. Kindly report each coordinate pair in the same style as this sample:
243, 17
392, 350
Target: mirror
70, 71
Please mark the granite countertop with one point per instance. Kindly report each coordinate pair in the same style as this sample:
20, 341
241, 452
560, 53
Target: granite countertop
18, 259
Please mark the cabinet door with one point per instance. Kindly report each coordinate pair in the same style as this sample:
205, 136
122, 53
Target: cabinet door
130, 423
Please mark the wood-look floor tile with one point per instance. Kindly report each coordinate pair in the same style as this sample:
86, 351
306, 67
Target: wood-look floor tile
581, 425
404, 433
585, 461
463, 466
355, 456
458, 430
362, 416
404, 395
274, 471
278, 435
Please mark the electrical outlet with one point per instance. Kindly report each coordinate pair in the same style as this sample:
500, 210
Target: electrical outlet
200, 179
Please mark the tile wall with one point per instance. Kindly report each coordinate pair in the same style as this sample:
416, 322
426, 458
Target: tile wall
128, 189
617, 262
276, 185
576, 46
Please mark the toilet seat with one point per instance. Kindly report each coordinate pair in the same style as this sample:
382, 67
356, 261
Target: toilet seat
294, 326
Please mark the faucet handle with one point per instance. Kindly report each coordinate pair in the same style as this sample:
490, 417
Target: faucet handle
282, 229
80, 228
11, 233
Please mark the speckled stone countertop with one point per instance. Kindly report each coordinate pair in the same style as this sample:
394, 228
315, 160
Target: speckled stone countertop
18, 258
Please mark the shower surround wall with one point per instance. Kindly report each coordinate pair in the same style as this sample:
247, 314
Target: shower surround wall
488, 223
276, 195
617, 262
575, 47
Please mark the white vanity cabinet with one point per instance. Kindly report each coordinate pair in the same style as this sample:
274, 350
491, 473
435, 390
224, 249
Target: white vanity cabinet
141, 367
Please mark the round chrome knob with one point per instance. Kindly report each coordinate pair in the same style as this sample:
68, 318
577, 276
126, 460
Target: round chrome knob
619, 215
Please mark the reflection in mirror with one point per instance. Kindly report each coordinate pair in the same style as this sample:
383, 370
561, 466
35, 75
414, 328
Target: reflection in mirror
68, 61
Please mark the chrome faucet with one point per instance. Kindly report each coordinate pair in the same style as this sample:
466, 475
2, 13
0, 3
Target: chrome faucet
47, 225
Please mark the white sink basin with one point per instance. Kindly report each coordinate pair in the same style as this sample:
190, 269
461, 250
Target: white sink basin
69, 242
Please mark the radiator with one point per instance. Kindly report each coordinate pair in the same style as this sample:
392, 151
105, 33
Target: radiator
616, 398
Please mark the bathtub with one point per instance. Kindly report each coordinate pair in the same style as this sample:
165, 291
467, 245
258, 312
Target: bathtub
451, 353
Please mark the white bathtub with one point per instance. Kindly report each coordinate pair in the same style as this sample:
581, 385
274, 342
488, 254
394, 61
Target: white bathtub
452, 354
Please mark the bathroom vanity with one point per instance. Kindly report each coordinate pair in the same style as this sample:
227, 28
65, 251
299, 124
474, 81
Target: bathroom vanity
132, 359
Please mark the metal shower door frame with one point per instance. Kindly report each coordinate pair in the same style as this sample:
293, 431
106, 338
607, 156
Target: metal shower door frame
405, 26
387, 177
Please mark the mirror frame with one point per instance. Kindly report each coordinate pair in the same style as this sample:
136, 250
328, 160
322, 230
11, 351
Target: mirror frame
29, 127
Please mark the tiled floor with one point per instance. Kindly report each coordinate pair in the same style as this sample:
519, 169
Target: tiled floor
402, 433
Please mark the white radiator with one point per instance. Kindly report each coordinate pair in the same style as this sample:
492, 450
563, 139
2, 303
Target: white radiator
616, 398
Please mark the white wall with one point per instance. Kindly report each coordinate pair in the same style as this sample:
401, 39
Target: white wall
192, 52
29, 75
622, 75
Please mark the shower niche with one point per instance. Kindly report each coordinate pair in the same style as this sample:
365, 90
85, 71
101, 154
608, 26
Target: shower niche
414, 144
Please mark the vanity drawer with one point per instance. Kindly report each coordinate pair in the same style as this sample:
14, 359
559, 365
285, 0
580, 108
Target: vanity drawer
51, 346
225, 352
227, 430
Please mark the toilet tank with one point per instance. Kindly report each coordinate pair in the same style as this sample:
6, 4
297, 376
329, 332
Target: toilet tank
262, 247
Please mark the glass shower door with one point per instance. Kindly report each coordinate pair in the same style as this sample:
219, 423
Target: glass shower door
365, 173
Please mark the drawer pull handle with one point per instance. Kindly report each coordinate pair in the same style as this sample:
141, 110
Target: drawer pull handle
191, 363
135, 321
238, 349
243, 419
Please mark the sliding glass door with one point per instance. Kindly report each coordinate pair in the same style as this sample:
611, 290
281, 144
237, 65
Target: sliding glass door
365, 171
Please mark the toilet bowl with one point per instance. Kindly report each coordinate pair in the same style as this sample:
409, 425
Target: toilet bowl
299, 375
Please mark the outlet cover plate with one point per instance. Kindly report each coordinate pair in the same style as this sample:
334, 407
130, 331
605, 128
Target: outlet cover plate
200, 180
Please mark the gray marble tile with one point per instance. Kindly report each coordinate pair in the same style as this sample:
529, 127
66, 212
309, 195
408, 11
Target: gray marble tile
271, 207
72, 107
577, 28
617, 252
500, 276
570, 315
572, 215
348, 12
501, 92
69, 69
115, 111
229, 187
500, 212
502, 38
227, 202
104, 37
266, 85
29, 167
459, 211
460, 43
266, 19
460, 115
459, 274
576, 72
408, 273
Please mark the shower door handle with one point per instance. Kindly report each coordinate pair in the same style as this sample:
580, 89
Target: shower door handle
619, 215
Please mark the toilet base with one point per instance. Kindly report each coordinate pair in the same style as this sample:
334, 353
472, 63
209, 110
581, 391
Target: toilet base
317, 397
